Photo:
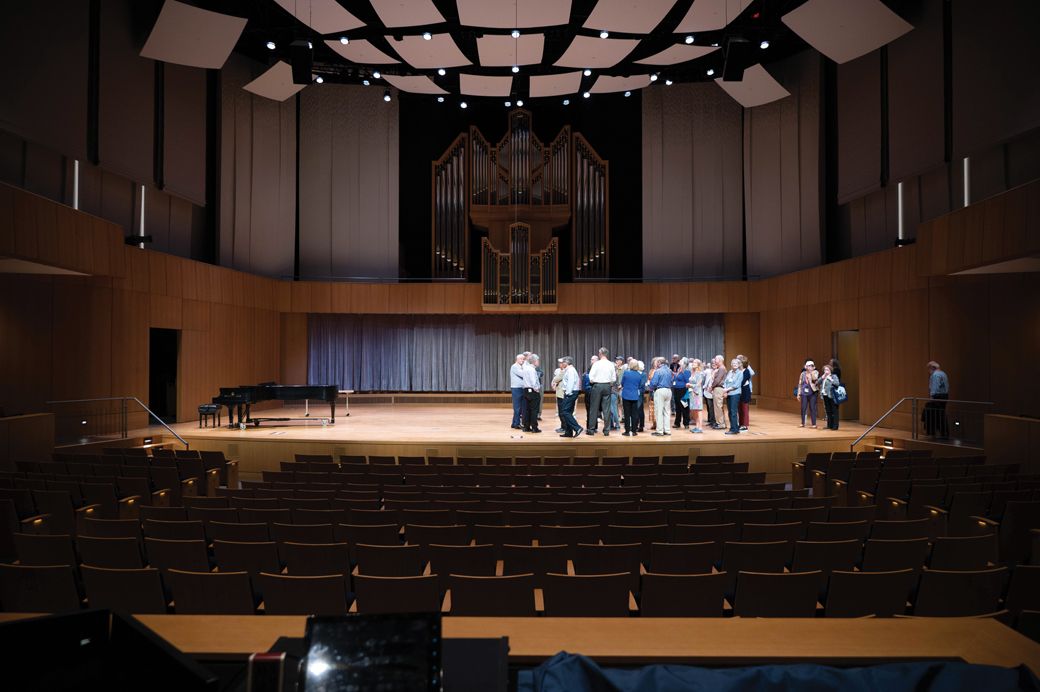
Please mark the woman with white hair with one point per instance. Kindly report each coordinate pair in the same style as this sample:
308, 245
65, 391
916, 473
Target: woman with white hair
731, 385
808, 391
696, 389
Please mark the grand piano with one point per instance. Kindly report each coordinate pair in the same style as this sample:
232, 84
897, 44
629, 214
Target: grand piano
241, 398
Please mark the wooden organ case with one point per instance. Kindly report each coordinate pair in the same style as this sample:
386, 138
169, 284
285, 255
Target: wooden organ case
520, 190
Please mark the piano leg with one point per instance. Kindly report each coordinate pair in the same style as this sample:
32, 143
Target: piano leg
333, 406
231, 415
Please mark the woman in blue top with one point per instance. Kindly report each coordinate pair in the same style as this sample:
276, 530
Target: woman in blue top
732, 385
682, 404
631, 391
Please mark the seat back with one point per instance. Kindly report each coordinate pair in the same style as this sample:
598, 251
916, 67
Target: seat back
837, 530
402, 594
291, 595
1024, 591
249, 557
114, 553
600, 595
860, 594
236, 531
210, 593
683, 595
964, 552
505, 596
740, 556
538, 560
825, 557
315, 559
891, 555
390, 561
790, 595
174, 530
43, 549
959, 594
683, 558
608, 559
129, 590
467, 560
302, 533
188, 556
38, 589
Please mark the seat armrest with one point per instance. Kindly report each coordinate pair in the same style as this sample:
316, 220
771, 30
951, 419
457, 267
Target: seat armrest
231, 472
38, 524
840, 490
984, 526
189, 487
161, 498
212, 478
864, 498
893, 508
129, 507
938, 520
86, 512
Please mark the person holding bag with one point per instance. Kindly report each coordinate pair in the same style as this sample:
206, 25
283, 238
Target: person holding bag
808, 391
828, 384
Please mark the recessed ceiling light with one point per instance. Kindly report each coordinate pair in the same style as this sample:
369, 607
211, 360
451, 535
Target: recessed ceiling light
427, 36
653, 78
319, 79
442, 72
668, 82
344, 40
508, 104
764, 45
711, 72
604, 34
365, 82
516, 68
586, 95
386, 95
520, 103
463, 104
627, 94
587, 72
376, 74
310, 46
516, 33
566, 102
689, 39
440, 99
271, 45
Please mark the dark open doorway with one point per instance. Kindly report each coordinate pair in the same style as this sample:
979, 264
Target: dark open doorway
846, 350
162, 372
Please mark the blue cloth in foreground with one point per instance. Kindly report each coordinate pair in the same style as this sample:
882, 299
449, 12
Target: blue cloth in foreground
574, 673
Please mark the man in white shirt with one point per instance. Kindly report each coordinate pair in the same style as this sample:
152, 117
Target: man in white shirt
569, 386
602, 375
532, 392
516, 386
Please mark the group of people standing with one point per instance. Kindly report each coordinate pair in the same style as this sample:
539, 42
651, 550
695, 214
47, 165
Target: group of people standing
812, 385
618, 392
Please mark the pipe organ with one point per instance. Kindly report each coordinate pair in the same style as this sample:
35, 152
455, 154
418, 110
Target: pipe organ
520, 191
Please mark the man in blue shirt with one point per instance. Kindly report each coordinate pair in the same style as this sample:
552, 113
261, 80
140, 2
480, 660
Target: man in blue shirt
516, 386
661, 386
934, 414
569, 385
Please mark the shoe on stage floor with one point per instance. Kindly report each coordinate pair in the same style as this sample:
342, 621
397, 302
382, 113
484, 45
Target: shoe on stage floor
590, 432
578, 432
732, 432
697, 431
560, 430
743, 428
516, 427
658, 434
567, 435
534, 430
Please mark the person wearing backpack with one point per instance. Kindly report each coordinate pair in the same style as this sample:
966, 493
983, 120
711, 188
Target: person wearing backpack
828, 386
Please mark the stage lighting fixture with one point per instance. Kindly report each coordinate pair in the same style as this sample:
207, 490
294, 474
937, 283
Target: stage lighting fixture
586, 95
566, 102
271, 45
653, 78
319, 79
604, 34
386, 95
519, 103
440, 99
516, 33
365, 82
689, 39
587, 72
427, 36
627, 94
764, 45
463, 104
508, 104
516, 68
301, 58
344, 40
668, 82
711, 72
376, 75
442, 72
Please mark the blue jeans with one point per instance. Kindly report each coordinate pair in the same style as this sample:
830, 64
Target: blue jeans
518, 405
614, 422
570, 424
733, 404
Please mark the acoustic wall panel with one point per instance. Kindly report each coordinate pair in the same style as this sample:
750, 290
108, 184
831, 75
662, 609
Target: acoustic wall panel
184, 129
859, 127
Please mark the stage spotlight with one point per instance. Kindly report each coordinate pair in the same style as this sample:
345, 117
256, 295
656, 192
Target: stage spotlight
764, 45
516, 33
508, 104
344, 40
653, 78
566, 102
668, 82
586, 95
427, 36
271, 45
376, 75
604, 34
463, 104
519, 103
319, 79
386, 95
689, 39
627, 94
365, 82
711, 72
442, 72
587, 72
516, 68
440, 99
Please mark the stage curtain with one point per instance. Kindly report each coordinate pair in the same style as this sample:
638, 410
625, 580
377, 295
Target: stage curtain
473, 353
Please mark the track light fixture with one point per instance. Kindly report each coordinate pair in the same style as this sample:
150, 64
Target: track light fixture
442, 72
604, 34
587, 72
386, 95
463, 104
689, 39
519, 103
271, 45
764, 45
427, 36
516, 68
344, 40
516, 33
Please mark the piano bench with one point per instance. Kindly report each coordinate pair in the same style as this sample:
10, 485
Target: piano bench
209, 413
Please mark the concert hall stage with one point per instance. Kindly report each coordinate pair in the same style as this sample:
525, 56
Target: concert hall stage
445, 429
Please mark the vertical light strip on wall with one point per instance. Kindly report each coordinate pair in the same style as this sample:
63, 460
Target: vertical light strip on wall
141, 225
75, 184
967, 180
900, 220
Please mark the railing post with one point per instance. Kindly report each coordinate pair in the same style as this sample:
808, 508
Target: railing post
123, 405
913, 418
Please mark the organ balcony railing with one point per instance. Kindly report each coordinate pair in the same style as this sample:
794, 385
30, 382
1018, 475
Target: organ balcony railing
519, 277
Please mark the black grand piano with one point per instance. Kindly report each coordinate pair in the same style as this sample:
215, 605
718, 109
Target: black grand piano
243, 397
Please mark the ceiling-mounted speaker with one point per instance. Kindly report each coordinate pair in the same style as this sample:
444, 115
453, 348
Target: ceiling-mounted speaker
739, 57
301, 57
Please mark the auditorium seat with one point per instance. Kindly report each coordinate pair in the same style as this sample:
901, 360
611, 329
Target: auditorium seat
499, 535
250, 557
453, 534
901, 529
803, 515
608, 559
166, 554
176, 513
400, 594
128, 590
492, 596
600, 595
174, 530
289, 595
837, 530
538, 560
890, 555
210, 593
694, 516
314, 559
390, 561
468, 560
113, 553
846, 514
227, 531
302, 533
825, 557
38, 589
569, 535
374, 534
683, 595
206, 502
683, 558
790, 531
790, 595
738, 556
959, 594
1023, 592
41, 549
963, 552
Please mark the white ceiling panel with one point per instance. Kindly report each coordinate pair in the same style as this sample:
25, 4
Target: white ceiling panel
407, 12
628, 16
361, 51
440, 51
711, 15
275, 84
606, 84
844, 30
677, 54
479, 85
589, 51
756, 88
186, 35
555, 84
417, 84
513, 14
324, 16
502, 51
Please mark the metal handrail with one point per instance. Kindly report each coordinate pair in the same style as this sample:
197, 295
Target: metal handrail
124, 399
913, 414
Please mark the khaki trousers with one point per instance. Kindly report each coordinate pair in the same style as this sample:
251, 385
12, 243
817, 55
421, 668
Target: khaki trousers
718, 396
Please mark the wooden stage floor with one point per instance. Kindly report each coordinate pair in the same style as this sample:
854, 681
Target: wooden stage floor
439, 429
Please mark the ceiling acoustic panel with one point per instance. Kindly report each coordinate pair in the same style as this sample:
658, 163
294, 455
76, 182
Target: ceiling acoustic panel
395, 13
676, 54
417, 84
628, 16
513, 14
756, 88
711, 15
503, 51
439, 51
606, 84
590, 51
324, 16
275, 84
555, 84
844, 30
361, 51
481, 85
186, 35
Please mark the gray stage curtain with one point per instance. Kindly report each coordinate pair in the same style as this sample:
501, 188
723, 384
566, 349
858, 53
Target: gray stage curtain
473, 353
